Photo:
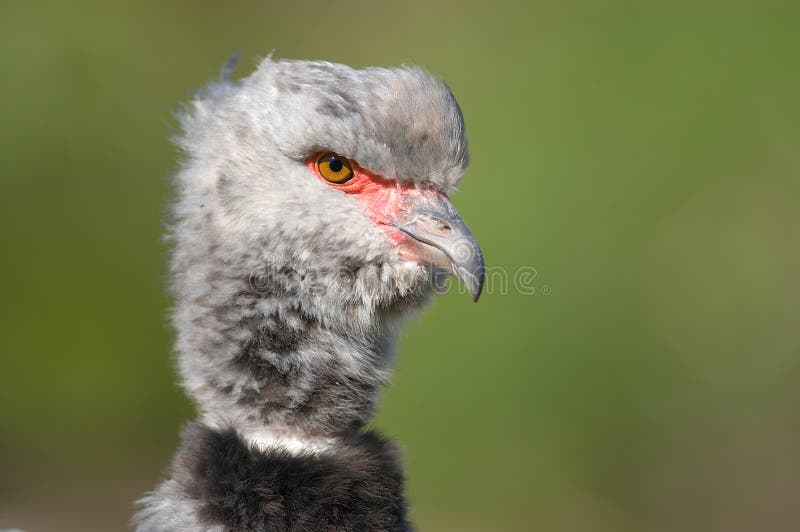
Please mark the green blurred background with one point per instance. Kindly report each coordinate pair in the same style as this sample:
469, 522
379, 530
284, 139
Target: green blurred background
641, 156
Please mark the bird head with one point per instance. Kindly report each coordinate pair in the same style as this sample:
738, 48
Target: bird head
328, 186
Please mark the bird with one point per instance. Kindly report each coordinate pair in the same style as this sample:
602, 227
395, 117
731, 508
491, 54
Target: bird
312, 217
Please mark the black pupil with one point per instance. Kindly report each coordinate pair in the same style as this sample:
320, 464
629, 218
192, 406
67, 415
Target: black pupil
336, 164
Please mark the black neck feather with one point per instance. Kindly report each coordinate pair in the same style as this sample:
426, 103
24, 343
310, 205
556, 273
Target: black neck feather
356, 485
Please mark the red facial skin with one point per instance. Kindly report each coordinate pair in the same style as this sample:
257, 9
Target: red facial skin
382, 199
385, 201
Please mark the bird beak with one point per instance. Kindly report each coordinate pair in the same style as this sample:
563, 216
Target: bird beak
440, 238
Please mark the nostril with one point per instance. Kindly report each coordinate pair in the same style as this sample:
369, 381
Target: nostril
444, 226
432, 224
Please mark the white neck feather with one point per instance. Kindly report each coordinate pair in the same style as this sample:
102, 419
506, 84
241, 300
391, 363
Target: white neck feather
293, 442
288, 439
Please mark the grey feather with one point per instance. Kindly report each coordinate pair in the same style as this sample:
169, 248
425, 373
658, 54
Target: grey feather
287, 297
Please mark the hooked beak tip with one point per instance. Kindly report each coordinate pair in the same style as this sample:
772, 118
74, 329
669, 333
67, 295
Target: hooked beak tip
473, 280
476, 294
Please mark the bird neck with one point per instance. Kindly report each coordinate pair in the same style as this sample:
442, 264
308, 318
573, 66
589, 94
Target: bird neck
268, 366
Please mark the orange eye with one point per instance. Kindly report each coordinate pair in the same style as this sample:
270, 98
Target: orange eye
334, 168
